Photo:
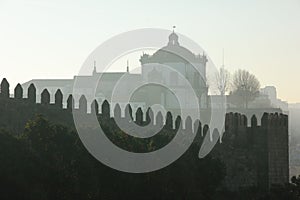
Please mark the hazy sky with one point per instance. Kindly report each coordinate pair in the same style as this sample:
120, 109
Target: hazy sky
51, 39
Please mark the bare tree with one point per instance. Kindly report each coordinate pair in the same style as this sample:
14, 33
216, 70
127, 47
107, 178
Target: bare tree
245, 85
222, 80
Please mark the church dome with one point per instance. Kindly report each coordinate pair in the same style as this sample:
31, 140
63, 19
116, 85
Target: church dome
173, 52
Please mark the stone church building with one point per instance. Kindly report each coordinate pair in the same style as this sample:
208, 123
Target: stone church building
173, 66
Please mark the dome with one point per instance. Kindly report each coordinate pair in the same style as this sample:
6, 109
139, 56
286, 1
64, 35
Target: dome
173, 52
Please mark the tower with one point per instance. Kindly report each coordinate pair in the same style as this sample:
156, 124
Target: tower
95, 69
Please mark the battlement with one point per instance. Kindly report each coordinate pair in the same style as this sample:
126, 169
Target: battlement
261, 151
233, 121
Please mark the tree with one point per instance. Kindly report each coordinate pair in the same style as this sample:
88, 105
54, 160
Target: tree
223, 80
245, 85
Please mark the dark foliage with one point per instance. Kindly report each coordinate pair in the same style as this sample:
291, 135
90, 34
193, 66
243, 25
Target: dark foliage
48, 161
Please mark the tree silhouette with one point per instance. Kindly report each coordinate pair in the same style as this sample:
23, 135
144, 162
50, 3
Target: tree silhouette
222, 81
245, 85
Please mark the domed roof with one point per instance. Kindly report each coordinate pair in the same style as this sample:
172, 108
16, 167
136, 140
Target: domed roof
173, 52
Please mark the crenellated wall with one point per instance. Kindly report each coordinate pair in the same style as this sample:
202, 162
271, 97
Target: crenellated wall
254, 155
